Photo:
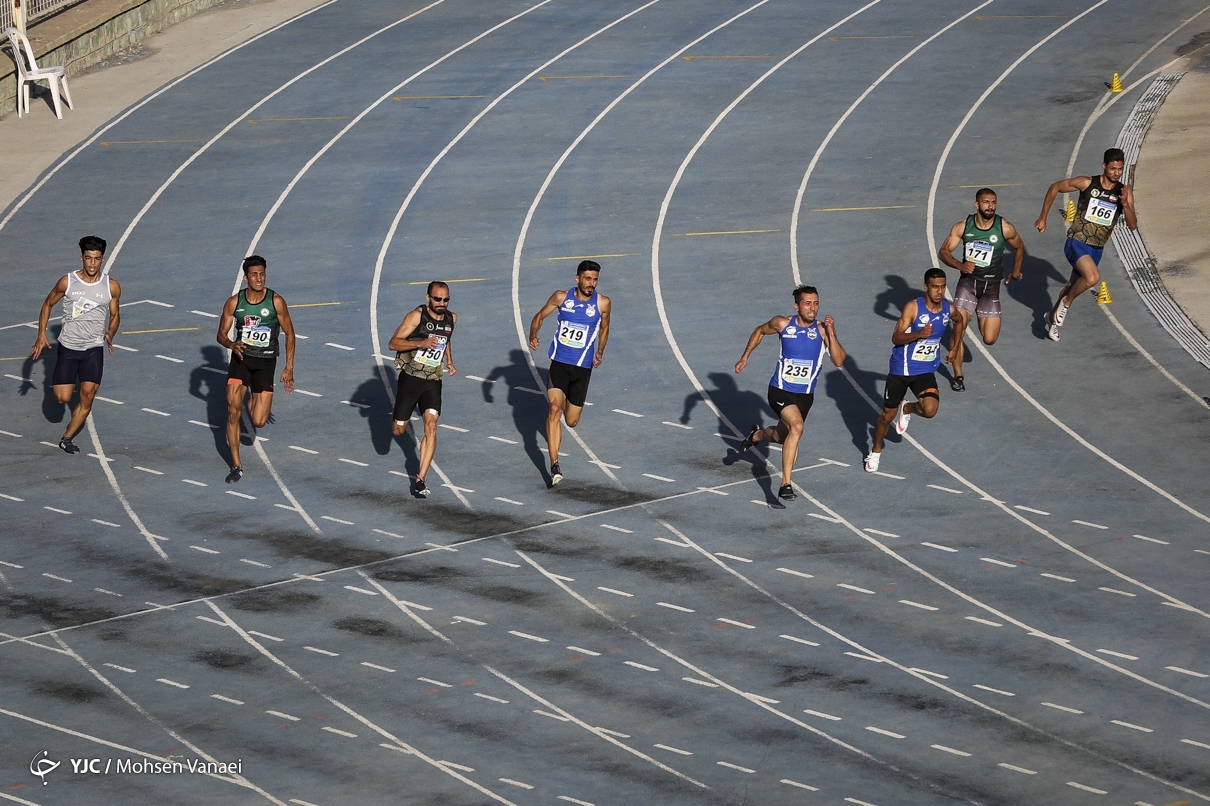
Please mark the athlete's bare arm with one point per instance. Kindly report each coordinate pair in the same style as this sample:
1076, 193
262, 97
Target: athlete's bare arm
901, 336
1014, 240
402, 339
952, 242
829, 337
1073, 184
552, 305
449, 349
57, 293
287, 327
224, 327
604, 306
1128, 207
770, 328
115, 312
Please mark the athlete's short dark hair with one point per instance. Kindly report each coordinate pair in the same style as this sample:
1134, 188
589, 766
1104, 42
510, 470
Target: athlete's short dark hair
435, 284
91, 243
587, 265
254, 260
1114, 155
804, 289
933, 274
981, 192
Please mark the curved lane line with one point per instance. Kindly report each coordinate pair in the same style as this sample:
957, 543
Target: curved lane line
932, 201
600, 734
802, 188
400, 744
117, 490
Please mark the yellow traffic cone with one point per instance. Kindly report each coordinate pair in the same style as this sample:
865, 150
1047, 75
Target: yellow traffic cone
1116, 84
1071, 212
1103, 297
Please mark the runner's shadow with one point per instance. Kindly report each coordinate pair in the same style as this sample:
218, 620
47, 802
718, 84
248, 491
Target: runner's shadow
889, 304
528, 405
211, 377
854, 409
743, 409
377, 409
1033, 290
52, 410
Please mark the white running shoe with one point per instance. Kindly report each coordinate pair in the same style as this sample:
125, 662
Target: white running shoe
1052, 329
1060, 313
901, 421
871, 461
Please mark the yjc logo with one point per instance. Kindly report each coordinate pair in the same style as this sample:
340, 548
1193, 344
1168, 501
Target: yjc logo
42, 766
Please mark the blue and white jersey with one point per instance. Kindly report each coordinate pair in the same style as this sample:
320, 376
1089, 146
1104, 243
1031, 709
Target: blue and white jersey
802, 352
924, 355
577, 334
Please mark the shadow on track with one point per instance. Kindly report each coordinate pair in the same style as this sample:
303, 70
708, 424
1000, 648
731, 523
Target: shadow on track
212, 375
528, 405
853, 408
1033, 292
375, 407
741, 408
52, 410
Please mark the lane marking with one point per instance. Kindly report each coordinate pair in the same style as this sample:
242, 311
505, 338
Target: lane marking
983, 621
241, 495
1061, 579
161, 330
691, 58
206, 425
946, 490
529, 637
490, 697
798, 640
734, 766
659, 478
883, 732
340, 732
822, 715
434, 97
1118, 592
817, 515
675, 607
1024, 508
917, 604
673, 749
1062, 708
1000, 563
108, 400
355, 405
356, 589
724, 232
510, 501
880, 534
937, 675
1090, 525
738, 559
736, 623
788, 782
505, 441
56, 509
950, 750
936, 546
308, 394
627, 413
352, 462
644, 667
884, 36
1087, 788
1122, 655
854, 209
795, 573
226, 699
617, 529
318, 651
1132, 727
59, 578
339, 347
584, 651
994, 690
697, 682
1195, 744
553, 78
500, 562
1151, 539
207, 314
859, 656
108, 143
434, 682
172, 683
540, 712
454, 428
119, 668
591, 257
266, 636
677, 425
1014, 768
11, 497
153, 411
1186, 671
303, 450
615, 592
169, 358
195, 483
854, 588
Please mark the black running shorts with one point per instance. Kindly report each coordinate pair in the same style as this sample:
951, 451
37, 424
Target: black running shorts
571, 380
254, 373
780, 398
78, 366
897, 386
413, 392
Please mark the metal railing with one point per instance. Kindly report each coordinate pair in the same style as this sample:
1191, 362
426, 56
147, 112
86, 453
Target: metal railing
34, 10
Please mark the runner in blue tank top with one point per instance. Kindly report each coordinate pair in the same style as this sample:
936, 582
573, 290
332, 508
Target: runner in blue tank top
804, 341
577, 348
914, 360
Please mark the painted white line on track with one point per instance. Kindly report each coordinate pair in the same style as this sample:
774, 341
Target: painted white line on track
148, 470
207, 314
308, 394
104, 523
1122, 655
170, 358
500, 562
644, 667
1186, 671
355, 405
1015, 768
1087, 788
124, 347
515, 783
215, 370
615, 592
490, 697
884, 732
356, 589
671, 749
96, 456
558, 514
337, 346
352, 462
454, 428
108, 400
822, 715
711, 491
1000, 563
627, 413
434, 682
336, 520
917, 604
659, 478
208, 425
860, 656
154, 411
798, 640
857, 802
735, 623
887, 475
1201, 551
195, 483
318, 651
978, 620
672, 542
1062, 708
11, 497
675, 607
697, 682
226, 699
205, 550
940, 547
557, 717
677, 425
505, 441
937, 675
796, 784
735, 557
729, 765
529, 637
1053, 576
209, 620
254, 562
172, 683
994, 690
846, 586
880, 534
57, 578
576, 801
1030, 509
1131, 726
950, 750
107, 592
1196, 744
265, 636
241, 495
10, 565
510, 501
1120, 593
617, 529
286, 507
340, 732
1090, 525
584, 651
1151, 539
303, 450
795, 573
60, 511
119, 668
945, 490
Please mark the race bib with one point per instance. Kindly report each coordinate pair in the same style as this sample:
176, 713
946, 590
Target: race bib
573, 335
796, 371
1100, 212
259, 336
432, 356
926, 350
81, 306
979, 253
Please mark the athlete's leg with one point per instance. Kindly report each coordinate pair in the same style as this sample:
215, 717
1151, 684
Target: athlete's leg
554, 426
428, 444
962, 320
882, 425
64, 391
259, 407
1086, 275
789, 429
88, 391
571, 414
235, 406
398, 428
926, 407
989, 328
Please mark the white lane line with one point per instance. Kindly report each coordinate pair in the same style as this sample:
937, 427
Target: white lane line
576, 801
1030, 509
558, 514
940, 547
950, 750
318, 651
945, 490
658, 478
558, 717
281, 715
737, 558
206, 314
798, 640
305, 392
352, 462
788, 782
303, 450
673, 749
104, 523
337, 346
615, 592
209, 620
10, 565
617, 529
1119, 593
355, 405
515, 783
170, 358
1131, 726
883, 732
220, 370
1117, 654
529, 637
584, 651
148, 470
880, 534
11, 497
1179, 670
356, 589
736, 623
119, 668
627, 413
265, 635
500, 562
338, 731
888, 475
416, 606
195, 483
124, 347
254, 562
1196, 744
822, 715
336, 520
937, 675
697, 682
857, 802
434, 682
1062, 708
172, 683
994, 690
1000, 563
60, 511
644, 667
241, 495
490, 697
509, 501
1151, 539
226, 699
711, 490
814, 515
677, 425
286, 507
505, 441
107, 592
978, 620
859, 656
95, 456
57, 578
454, 428
437, 546
205, 425
1201, 551
1061, 579
392, 534
855, 588
1015, 768
795, 573
910, 603
675, 607
729, 765
109, 400
1087, 788
1090, 525
672, 542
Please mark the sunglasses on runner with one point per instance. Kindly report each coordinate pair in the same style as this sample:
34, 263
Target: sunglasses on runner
439, 299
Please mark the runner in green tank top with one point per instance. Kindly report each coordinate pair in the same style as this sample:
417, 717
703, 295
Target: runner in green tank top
982, 237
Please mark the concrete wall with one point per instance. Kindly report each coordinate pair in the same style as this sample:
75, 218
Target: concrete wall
92, 31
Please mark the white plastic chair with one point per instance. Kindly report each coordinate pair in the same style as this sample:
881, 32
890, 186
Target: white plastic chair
29, 72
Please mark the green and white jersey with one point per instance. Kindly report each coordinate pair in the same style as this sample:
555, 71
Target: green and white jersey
984, 248
257, 325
